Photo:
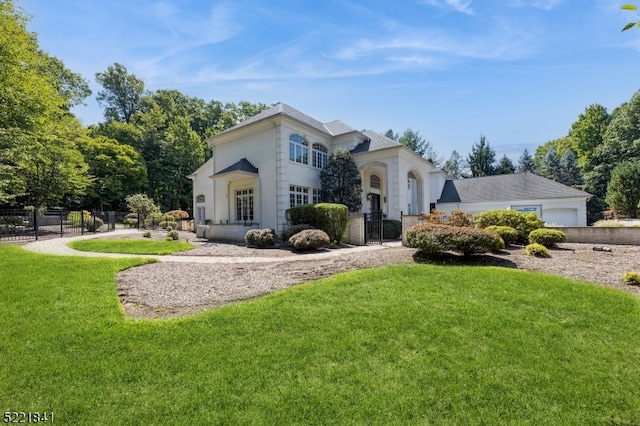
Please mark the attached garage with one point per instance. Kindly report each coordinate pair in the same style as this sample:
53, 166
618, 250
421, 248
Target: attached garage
555, 203
560, 217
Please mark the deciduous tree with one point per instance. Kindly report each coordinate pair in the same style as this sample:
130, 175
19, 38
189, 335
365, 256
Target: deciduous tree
121, 93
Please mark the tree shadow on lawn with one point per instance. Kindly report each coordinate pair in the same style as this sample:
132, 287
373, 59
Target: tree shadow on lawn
450, 258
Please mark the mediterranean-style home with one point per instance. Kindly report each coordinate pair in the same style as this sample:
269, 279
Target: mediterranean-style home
263, 166
272, 161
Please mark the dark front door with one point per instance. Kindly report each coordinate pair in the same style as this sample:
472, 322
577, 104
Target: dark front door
375, 203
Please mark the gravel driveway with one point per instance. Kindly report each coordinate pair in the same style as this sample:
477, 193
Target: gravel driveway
171, 288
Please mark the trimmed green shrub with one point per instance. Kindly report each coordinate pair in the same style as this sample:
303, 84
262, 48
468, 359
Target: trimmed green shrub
153, 218
508, 234
173, 235
309, 239
631, 278
524, 223
168, 224
11, 220
131, 220
294, 229
94, 224
147, 234
436, 238
331, 218
537, 250
547, 237
75, 218
391, 229
260, 237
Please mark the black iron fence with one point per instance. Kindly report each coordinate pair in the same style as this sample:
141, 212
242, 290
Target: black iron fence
17, 225
24, 225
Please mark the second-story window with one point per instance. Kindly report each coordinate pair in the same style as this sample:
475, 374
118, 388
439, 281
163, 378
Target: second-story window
319, 155
298, 149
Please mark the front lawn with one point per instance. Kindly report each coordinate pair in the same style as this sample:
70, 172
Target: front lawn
422, 344
130, 246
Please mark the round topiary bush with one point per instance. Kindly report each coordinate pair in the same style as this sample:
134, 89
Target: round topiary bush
547, 237
260, 237
508, 234
294, 229
310, 239
631, 278
537, 250
173, 235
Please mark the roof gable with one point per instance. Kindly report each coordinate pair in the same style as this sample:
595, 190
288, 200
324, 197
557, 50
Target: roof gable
512, 187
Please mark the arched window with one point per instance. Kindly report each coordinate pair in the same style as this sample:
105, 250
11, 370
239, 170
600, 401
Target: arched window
298, 149
319, 155
374, 182
200, 199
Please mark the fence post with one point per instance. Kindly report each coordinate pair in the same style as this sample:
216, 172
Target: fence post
61, 228
81, 222
35, 222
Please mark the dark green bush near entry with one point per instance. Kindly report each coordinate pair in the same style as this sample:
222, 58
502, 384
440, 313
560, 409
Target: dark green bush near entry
508, 234
391, 229
547, 237
309, 239
331, 218
260, 237
437, 238
524, 223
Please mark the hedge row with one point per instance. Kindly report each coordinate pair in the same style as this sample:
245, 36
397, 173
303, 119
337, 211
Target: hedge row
436, 238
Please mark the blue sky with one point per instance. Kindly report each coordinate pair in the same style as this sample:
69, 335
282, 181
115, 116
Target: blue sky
518, 71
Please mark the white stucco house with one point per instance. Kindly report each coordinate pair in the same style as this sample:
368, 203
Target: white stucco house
272, 161
553, 202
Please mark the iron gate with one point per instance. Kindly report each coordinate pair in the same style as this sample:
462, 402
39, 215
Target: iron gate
373, 228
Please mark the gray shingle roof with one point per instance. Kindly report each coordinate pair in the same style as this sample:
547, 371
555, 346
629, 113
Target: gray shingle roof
338, 127
281, 109
513, 187
243, 165
375, 141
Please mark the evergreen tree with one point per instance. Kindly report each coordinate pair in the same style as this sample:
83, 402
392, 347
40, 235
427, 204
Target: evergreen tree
412, 140
481, 159
341, 181
551, 166
505, 166
454, 166
569, 172
525, 163
623, 193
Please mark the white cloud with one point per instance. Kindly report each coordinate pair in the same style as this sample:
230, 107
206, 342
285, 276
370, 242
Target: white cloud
457, 5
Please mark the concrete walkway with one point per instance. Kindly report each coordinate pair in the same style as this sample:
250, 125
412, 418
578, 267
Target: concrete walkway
58, 247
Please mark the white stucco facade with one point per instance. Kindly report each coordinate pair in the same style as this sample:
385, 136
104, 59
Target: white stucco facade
267, 171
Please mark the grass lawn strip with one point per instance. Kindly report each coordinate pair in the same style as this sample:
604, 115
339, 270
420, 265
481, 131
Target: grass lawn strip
394, 345
130, 246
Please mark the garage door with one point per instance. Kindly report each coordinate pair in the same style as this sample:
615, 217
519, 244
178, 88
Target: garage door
562, 217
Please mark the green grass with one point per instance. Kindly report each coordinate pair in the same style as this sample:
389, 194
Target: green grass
130, 246
416, 344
